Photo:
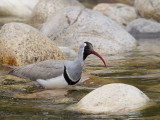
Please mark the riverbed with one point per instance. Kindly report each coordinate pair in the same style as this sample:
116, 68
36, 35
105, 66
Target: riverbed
140, 68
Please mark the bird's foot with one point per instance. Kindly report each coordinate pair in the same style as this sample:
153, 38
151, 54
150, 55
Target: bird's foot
39, 87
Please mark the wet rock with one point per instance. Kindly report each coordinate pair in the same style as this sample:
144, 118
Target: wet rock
10, 84
95, 81
19, 8
47, 94
148, 8
21, 44
73, 25
113, 99
143, 28
47, 8
121, 13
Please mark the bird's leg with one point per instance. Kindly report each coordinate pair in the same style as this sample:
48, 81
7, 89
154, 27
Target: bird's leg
39, 87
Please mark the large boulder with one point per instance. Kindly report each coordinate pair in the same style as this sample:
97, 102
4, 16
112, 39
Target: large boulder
68, 52
148, 8
112, 98
22, 44
18, 8
47, 8
142, 28
73, 25
121, 13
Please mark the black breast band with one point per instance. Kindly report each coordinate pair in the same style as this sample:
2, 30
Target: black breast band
68, 80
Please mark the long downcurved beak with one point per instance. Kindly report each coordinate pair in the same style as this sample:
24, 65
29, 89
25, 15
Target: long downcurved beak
95, 53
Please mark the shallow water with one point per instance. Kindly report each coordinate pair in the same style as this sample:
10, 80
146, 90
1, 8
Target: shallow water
140, 68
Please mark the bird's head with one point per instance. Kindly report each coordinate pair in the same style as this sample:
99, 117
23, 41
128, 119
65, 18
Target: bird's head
86, 49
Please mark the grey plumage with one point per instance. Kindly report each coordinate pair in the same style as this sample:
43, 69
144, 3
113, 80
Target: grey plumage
74, 69
40, 70
52, 70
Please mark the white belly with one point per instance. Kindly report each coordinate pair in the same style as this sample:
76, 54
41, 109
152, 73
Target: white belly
53, 83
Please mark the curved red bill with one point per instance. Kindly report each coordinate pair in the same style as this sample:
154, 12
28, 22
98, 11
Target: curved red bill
95, 53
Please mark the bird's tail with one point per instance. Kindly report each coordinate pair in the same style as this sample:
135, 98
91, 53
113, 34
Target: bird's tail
9, 66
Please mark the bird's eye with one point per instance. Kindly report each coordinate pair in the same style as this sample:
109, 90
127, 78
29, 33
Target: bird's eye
86, 47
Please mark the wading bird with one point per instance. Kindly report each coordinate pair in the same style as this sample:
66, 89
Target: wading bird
53, 74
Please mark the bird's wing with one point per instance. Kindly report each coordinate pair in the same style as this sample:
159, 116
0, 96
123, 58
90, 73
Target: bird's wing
40, 70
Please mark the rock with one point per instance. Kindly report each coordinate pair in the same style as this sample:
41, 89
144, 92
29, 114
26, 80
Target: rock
121, 13
113, 98
21, 44
68, 52
148, 9
142, 29
47, 94
19, 8
47, 8
10, 84
73, 25
4, 20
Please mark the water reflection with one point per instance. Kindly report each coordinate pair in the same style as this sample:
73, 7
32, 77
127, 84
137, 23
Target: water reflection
137, 68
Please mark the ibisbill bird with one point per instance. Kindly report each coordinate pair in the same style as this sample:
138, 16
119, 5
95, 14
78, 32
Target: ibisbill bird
53, 74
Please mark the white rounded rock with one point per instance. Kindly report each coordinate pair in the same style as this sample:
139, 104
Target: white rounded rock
121, 13
113, 98
18, 8
144, 29
71, 26
47, 8
21, 44
148, 9
67, 51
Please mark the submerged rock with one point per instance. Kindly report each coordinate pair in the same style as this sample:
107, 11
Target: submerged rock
47, 94
10, 84
121, 13
113, 99
18, 8
144, 29
47, 8
73, 25
148, 8
21, 44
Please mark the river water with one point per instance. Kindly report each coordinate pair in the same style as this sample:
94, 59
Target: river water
140, 68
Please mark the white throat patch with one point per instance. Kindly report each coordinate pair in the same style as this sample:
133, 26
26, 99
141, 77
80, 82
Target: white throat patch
81, 50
